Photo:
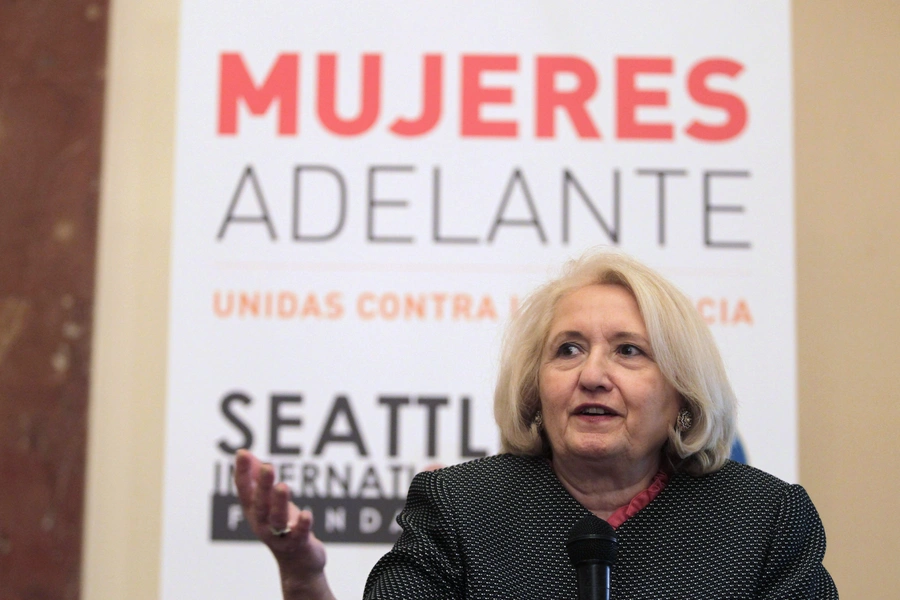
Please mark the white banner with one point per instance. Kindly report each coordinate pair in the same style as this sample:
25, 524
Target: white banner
365, 190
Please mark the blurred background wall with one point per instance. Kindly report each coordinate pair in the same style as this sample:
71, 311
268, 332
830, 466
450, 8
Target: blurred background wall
52, 57
847, 151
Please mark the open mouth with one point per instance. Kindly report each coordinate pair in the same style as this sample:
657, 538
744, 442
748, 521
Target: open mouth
594, 411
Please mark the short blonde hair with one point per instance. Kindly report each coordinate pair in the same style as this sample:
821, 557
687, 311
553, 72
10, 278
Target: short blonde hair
683, 346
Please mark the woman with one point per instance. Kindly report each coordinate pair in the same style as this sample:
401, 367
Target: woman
611, 399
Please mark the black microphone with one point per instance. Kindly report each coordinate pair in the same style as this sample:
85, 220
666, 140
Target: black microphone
592, 548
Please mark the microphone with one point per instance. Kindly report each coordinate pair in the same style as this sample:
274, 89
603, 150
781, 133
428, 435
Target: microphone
592, 547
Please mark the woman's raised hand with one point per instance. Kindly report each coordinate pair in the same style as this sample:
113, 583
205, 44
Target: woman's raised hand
283, 527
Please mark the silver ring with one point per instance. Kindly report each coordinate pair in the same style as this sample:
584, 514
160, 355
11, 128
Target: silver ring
279, 532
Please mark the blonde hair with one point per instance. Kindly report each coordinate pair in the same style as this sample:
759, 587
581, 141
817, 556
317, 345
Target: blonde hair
683, 346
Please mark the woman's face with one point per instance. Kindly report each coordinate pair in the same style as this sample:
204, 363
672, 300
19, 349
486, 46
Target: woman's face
603, 396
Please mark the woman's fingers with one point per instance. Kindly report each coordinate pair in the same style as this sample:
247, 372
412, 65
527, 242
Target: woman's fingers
278, 512
266, 505
277, 521
262, 497
285, 515
246, 469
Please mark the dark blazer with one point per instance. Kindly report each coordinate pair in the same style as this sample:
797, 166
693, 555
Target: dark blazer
496, 528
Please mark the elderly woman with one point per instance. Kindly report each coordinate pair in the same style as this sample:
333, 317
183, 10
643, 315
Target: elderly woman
611, 399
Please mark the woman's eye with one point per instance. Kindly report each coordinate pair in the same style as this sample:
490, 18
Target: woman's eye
630, 350
568, 349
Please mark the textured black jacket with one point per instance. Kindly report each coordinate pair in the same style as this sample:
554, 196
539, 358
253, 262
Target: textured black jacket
496, 528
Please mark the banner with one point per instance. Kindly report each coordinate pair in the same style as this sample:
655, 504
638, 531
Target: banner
365, 191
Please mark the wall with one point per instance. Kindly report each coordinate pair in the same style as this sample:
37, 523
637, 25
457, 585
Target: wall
51, 107
125, 448
847, 151
847, 87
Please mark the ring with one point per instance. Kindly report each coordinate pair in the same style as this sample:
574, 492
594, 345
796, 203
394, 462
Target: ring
279, 532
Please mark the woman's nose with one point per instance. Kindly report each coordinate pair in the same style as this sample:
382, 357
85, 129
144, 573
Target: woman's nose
595, 372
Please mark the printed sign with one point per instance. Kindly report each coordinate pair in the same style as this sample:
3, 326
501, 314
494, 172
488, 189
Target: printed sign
366, 191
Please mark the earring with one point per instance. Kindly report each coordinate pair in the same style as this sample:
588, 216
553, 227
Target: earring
685, 420
538, 420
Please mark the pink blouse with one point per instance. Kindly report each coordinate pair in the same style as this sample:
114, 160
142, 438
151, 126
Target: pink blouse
622, 514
